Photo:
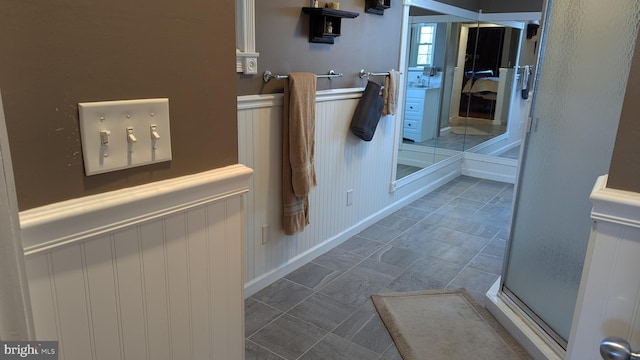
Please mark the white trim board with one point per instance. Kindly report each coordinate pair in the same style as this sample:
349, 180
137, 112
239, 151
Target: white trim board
490, 167
270, 100
246, 54
615, 206
74, 220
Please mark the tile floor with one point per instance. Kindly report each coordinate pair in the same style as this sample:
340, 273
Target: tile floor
453, 237
513, 153
459, 142
406, 170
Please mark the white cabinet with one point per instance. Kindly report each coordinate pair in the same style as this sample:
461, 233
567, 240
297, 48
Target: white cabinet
421, 114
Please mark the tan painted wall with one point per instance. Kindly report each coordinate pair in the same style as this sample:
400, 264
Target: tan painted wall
369, 41
55, 54
624, 173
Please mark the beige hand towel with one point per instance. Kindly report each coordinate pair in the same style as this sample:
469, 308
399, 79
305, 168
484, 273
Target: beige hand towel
298, 143
390, 93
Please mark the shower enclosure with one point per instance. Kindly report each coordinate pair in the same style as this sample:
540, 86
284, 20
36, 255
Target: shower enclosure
581, 77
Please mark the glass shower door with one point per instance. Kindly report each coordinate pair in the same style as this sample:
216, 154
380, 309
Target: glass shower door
582, 77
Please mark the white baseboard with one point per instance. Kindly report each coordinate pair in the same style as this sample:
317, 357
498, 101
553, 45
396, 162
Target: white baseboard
488, 175
490, 167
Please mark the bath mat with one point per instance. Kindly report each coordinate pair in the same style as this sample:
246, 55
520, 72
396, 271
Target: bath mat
477, 130
475, 126
463, 121
444, 324
471, 130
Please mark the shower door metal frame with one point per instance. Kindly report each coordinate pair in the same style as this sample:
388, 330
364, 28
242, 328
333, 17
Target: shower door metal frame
530, 126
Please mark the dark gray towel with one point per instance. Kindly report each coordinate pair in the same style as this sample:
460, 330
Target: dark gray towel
365, 118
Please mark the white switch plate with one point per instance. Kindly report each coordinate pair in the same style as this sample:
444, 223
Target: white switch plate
116, 117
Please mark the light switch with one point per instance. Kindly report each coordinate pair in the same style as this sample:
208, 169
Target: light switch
122, 134
131, 138
154, 132
104, 137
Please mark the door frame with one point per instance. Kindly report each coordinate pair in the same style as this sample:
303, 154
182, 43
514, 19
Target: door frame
15, 310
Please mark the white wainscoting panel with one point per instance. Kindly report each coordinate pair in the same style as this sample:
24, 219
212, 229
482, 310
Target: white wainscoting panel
343, 162
165, 283
609, 296
490, 167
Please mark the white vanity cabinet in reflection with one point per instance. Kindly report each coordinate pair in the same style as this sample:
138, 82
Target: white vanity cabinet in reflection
421, 114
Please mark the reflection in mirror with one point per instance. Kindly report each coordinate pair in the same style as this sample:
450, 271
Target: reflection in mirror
460, 77
432, 47
487, 63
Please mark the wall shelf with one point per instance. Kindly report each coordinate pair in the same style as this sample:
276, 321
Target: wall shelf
376, 6
325, 23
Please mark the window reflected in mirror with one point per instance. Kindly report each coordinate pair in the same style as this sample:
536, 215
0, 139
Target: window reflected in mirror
423, 36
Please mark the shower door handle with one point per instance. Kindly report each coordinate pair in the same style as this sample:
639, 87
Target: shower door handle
617, 348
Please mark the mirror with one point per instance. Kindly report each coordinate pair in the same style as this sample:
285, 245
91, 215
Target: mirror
488, 74
430, 59
459, 80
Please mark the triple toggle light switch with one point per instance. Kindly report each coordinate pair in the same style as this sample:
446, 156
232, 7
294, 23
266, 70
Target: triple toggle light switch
122, 134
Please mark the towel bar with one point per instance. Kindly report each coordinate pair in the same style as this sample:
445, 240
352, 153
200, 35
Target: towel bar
268, 75
362, 74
